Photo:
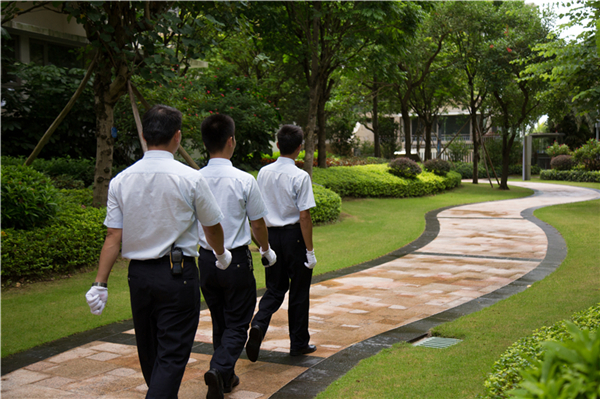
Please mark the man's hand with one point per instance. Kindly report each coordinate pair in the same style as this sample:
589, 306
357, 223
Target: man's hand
96, 298
311, 259
269, 255
223, 260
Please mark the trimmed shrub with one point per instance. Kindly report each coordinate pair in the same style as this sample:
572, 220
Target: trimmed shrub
374, 181
404, 167
506, 371
571, 175
73, 241
437, 166
28, 198
562, 162
589, 155
77, 169
466, 170
555, 150
329, 205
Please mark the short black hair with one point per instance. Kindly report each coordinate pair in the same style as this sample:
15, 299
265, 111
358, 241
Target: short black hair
160, 123
216, 130
289, 138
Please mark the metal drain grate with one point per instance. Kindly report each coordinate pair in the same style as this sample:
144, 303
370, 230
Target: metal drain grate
437, 342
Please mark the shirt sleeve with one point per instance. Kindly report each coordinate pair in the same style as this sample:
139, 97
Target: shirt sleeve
114, 213
255, 206
305, 198
207, 209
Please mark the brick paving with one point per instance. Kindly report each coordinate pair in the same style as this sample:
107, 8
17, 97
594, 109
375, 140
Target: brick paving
479, 249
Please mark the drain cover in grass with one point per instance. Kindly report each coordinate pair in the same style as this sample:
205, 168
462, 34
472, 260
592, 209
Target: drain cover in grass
437, 342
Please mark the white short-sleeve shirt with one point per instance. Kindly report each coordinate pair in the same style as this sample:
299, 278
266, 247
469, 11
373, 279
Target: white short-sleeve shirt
238, 196
287, 190
158, 201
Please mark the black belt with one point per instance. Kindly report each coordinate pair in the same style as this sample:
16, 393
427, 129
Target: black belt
167, 258
243, 249
286, 227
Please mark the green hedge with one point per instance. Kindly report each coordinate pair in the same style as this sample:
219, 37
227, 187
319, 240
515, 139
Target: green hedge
329, 205
571, 175
375, 181
78, 169
73, 240
506, 371
466, 170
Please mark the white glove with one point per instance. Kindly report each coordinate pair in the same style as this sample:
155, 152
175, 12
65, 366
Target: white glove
310, 257
96, 298
223, 260
270, 255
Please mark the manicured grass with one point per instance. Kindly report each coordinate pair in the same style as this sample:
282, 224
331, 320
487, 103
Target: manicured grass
459, 371
369, 228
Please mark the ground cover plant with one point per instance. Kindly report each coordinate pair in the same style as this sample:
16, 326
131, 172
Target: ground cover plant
368, 228
460, 370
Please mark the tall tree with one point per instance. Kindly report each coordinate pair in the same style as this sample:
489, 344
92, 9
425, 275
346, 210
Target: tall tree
519, 27
322, 37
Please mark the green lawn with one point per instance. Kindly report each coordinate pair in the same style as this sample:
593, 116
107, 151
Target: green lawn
46, 311
459, 371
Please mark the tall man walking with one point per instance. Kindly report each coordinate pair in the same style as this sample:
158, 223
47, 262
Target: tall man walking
289, 197
230, 293
154, 207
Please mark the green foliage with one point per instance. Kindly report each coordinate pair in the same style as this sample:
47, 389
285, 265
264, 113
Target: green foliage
589, 155
31, 107
388, 136
571, 175
555, 149
340, 129
375, 181
529, 350
404, 167
494, 149
437, 166
562, 162
458, 150
329, 205
569, 369
53, 249
77, 169
28, 198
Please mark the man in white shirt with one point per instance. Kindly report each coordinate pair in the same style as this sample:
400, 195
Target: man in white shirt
230, 293
153, 208
289, 197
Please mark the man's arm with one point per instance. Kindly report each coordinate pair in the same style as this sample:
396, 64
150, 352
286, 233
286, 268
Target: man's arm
108, 255
306, 226
214, 237
260, 233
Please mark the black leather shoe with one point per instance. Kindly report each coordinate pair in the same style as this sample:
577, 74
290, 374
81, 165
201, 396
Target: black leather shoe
213, 379
303, 351
253, 344
235, 381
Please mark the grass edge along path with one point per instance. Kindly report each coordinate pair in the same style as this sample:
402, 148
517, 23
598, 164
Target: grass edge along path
369, 228
459, 371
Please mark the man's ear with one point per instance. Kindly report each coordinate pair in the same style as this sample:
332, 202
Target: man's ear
278, 146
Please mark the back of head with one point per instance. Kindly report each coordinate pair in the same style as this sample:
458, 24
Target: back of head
216, 130
289, 138
159, 124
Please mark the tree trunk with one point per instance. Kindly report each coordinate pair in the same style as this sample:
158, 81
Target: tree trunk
309, 134
322, 133
505, 161
476, 141
375, 123
406, 127
104, 150
428, 128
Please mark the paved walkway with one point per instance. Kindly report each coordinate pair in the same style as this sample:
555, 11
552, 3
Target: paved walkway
468, 258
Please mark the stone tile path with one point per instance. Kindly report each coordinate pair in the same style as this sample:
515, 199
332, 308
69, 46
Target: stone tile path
477, 250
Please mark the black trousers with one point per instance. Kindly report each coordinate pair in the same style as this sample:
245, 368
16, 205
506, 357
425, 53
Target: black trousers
166, 310
288, 273
231, 298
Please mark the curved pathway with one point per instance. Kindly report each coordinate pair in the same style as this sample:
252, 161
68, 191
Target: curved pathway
470, 257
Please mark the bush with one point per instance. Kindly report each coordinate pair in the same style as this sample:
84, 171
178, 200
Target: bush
458, 150
28, 198
437, 166
569, 369
77, 169
329, 205
506, 371
404, 167
466, 170
375, 181
41, 252
589, 155
562, 162
555, 150
571, 175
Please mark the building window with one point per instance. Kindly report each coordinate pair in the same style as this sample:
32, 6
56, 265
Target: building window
449, 125
48, 53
